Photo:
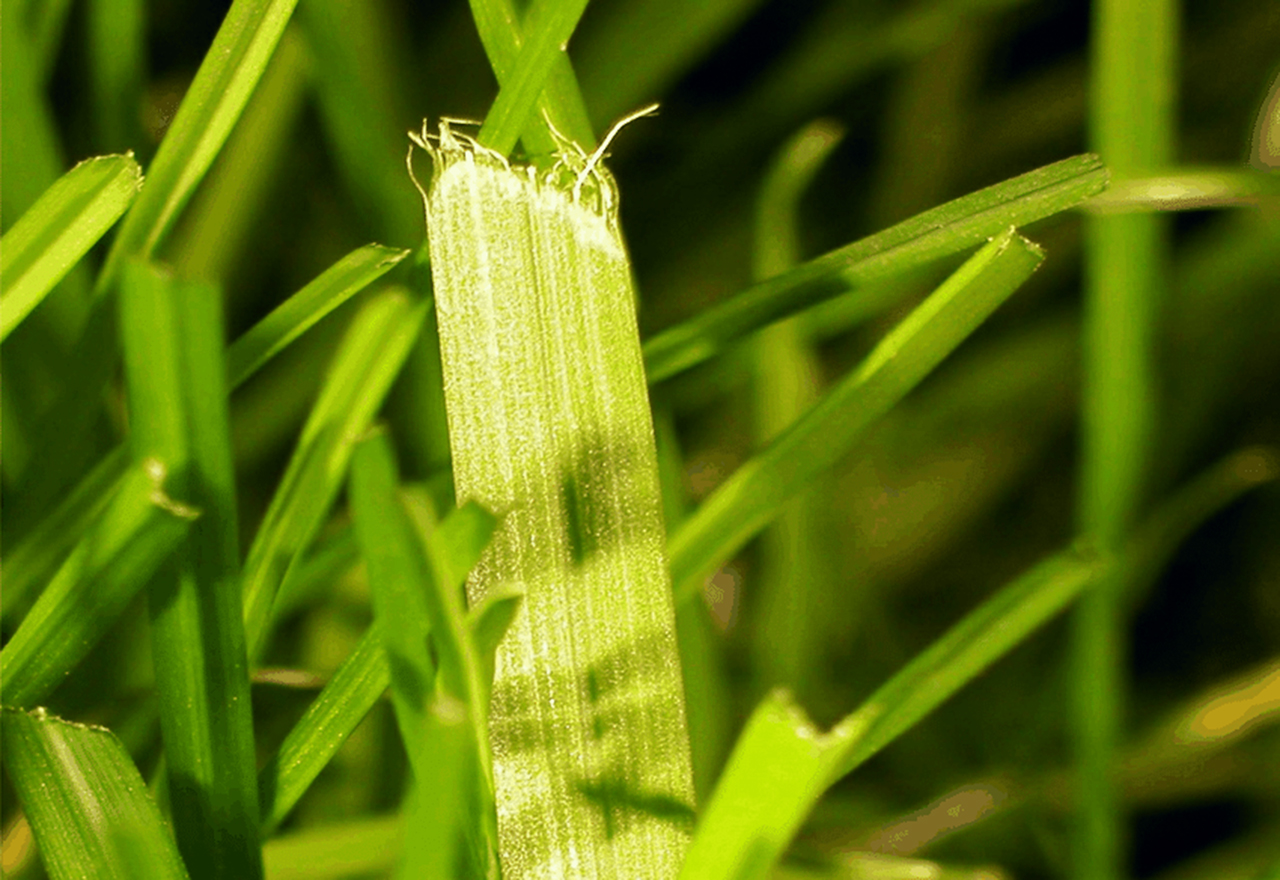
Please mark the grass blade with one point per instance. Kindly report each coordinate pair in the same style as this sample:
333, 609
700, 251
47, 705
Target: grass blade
117, 55
139, 528
87, 803
782, 764
370, 356
173, 345
336, 852
552, 430
754, 494
548, 25
939, 232
361, 680
59, 229
560, 103
293, 317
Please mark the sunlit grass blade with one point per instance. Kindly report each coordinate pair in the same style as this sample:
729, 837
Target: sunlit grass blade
371, 354
87, 803
39, 250
173, 346
548, 24
782, 764
939, 232
34, 558
502, 33
550, 427
336, 852
289, 320
362, 679
138, 529
755, 493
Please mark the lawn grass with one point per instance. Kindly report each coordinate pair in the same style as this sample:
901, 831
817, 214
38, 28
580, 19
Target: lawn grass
865, 467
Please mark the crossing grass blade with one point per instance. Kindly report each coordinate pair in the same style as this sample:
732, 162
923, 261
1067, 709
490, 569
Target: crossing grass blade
137, 530
782, 764
371, 355
72, 215
87, 804
939, 232
756, 492
173, 346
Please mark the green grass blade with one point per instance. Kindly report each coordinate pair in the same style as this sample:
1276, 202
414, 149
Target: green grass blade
548, 25
34, 559
173, 345
939, 232
59, 229
1187, 189
553, 432
371, 354
782, 764
502, 33
87, 803
289, 320
325, 563
361, 680
138, 529
754, 494
336, 852
117, 55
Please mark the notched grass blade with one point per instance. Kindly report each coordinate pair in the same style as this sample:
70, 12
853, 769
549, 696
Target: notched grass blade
755, 493
782, 763
939, 232
59, 229
88, 806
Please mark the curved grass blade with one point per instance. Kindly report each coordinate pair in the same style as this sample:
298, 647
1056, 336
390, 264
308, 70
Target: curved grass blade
782, 764
88, 806
368, 360
756, 492
52, 236
293, 317
138, 529
173, 345
938, 232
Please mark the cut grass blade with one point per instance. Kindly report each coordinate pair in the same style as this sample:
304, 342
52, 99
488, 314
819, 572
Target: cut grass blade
550, 427
289, 320
371, 354
52, 236
548, 25
88, 806
756, 492
138, 529
503, 36
939, 232
782, 764
173, 345
361, 680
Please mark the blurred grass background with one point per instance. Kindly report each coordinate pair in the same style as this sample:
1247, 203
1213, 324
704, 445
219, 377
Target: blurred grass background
974, 477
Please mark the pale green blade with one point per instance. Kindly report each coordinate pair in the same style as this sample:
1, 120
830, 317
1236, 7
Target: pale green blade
755, 493
550, 428
782, 764
55, 232
938, 232
336, 852
88, 806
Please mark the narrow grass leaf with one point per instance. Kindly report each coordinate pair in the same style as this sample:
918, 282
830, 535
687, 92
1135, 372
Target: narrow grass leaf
51, 237
938, 232
1187, 189
336, 852
782, 763
501, 32
88, 806
550, 427
371, 355
362, 679
117, 56
328, 560
176, 378
755, 493
548, 24
289, 320
138, 529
